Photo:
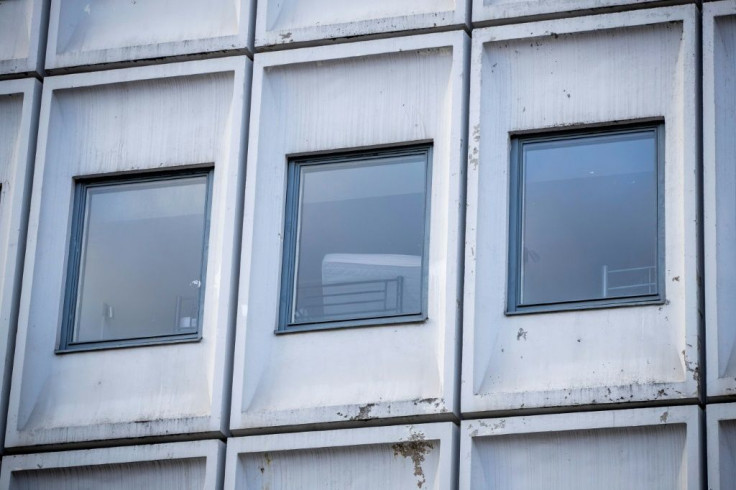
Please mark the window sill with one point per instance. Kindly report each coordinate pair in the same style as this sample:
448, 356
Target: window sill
128, 343
350, 324
656, 300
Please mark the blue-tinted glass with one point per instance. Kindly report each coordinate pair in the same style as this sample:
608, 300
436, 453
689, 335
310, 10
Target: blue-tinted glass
589, 218
360, 239
140, 272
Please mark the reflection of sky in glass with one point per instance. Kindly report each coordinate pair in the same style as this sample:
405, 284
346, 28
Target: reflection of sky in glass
360, 239
145, 200
358, 180
141, 262
589, 211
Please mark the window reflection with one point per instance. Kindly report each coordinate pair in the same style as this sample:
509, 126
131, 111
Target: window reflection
141, 260
360, 238
589, 217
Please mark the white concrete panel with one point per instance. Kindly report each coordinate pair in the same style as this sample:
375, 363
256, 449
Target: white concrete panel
186, 466
398, 457
644, 449
498, 11
87, 33
721, 444
719, 189
282, 22
22, 36
19, 105
127, 121
332, 98
587, 72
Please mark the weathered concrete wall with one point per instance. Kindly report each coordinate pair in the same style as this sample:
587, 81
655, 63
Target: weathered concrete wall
721, 437
124, 121
83, 33
19, 101
281, 23
22, 37
193, 465
420, 456
341, 97
653, 448
611, 398
502, 11
566, 74
719, 146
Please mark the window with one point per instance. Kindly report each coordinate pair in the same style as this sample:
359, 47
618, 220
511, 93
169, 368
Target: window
137, 260
586, 220
355, 241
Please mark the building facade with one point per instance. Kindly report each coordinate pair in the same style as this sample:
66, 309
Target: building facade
326, 244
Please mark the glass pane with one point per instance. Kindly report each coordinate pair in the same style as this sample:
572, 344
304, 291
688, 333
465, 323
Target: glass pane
142, 256
361, 230
589, 218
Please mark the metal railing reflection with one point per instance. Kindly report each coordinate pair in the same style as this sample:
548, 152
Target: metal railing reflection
630, 281
377, 297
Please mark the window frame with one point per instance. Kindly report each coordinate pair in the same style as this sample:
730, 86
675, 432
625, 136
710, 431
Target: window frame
290, 240
74, 258
516, 175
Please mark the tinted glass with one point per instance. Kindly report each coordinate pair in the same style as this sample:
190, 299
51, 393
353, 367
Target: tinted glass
360, 239
589, 218
140, 272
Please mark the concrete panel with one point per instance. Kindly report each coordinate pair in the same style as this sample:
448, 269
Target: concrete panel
283, 22
487, 12
398, 457
328, 99
583, 73
721, 443
645, 449
719, 188
89, 33
187, 465
19, 105
22, 36
125, 122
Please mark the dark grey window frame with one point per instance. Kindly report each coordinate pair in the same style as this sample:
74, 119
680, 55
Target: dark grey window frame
288, 272
81, 185
513, 293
